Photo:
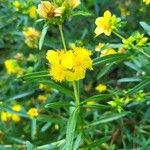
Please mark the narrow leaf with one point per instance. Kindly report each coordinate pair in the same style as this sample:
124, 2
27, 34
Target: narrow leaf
108, 118
110, 59
140, 86
57, 105
71, 126
43, 34
130, 79
96, 143
145, 26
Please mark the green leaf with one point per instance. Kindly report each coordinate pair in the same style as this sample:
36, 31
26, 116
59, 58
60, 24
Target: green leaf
36, 77
140, 86
57, 105
50, 118
71, 126
107, 119
33, 128
145, 26
77, 142
80, 13
105, 70
130, 79
97, 106
30, 75
51, 146
98, 97
21, 95
29, 146
42, 74
57, 87
43, 34
110, 45
132, 66
96, 143
109, 59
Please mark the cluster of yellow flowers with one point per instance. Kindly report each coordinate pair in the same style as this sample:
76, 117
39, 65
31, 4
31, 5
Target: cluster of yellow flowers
146, 2
10, 116
31, 37
49, 10
12, 67
106, 24
69, 65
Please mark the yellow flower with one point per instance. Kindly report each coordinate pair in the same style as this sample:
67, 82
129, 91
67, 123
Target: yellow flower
101, 88
108, 51
74, 3
15, 118
58, 72
106, 24
33, 112
42, 98
4, 116
146, 2
70, 65
103, 24
55, 57
31, 37
32, 12
48, 10
12, 67
17, 108
68, 61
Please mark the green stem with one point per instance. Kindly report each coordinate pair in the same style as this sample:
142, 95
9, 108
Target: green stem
76, 94
144, 53
118, 35
62, 37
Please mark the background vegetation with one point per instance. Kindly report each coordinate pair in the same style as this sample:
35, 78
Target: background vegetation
115, 117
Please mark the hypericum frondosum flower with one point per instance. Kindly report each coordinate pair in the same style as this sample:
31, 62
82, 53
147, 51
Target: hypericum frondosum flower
69, 65
101, 88
106, 24
42, 98
74, 3
108, 51
12, 67
32, 12
16, 107
31, 37
48, 10
146, 2
5, 116
33, 112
